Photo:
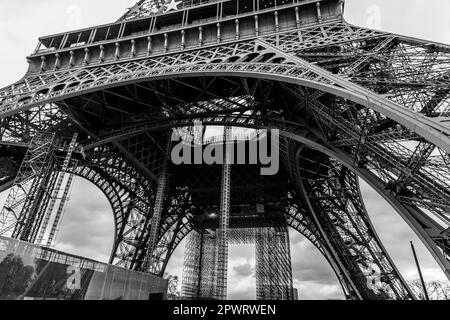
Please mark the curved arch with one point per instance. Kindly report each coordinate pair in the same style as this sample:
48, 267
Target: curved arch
285, 73
342, 186
327, 150
342, 269
378, 186
110, 193
406, 212
302, 73
128, 193
186, 227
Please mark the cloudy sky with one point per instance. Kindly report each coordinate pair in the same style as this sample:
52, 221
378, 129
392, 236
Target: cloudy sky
88, 226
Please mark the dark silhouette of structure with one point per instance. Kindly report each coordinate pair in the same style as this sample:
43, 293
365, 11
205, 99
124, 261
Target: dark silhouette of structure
349, 103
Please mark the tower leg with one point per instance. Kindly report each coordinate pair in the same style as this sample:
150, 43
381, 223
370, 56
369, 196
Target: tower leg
56, 191
25, 198
32, 198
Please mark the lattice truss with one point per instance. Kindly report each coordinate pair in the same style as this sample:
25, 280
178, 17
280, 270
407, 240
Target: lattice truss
40, 179
334, 196
131, 196
17, 131
374, 101
343, 123
273, 281
31, 178
199, 267
272, 257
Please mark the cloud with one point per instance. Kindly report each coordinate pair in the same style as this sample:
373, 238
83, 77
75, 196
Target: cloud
242, 289
310, 290
396, 235
244, 270
23, 22
426, 19
88, 226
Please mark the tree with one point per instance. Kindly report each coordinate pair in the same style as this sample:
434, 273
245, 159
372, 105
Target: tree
437, 290
15, 277
172, 291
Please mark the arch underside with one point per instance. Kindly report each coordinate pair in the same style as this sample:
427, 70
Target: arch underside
372, 112
354, 247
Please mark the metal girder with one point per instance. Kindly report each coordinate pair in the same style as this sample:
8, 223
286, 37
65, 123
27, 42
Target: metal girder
338, 209
414, 74
18, 129
131, 197
294, 70
220, 120
59, 183
391, 154
320, 36
34, 193
22, 208
150, 265
415, 163
390, 157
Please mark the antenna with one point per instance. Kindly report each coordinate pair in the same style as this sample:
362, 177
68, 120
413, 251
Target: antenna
420, 272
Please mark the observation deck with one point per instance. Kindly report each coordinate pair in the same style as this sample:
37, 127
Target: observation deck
193, 25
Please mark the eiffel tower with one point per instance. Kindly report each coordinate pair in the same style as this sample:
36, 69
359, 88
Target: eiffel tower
350, 104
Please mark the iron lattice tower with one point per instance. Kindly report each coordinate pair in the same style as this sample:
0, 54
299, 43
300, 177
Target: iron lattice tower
350, 103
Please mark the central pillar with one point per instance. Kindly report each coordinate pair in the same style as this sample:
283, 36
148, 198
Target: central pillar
224, 222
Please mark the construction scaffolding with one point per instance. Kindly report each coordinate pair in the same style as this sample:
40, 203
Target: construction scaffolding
199, 271
41, 179
273, 280
59, 183
29, 188
224, 221
272, 258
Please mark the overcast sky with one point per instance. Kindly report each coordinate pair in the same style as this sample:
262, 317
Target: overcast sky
88, 226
